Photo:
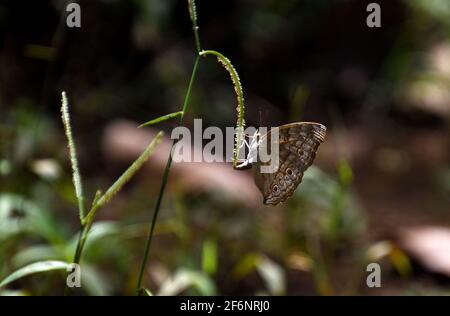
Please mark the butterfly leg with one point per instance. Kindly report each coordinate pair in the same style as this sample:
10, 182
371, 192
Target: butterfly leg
243, 164
244, 142
252, 144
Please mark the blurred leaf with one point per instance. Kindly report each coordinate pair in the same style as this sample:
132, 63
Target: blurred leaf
439, 9
185, 279
33, 129
37, 267
48, 169
13, 293
379, 250
107, 229
39, 52
147, 292
300, 261
209, 257
93, 281
326, 205
400, 261
345, 172
398, 258
5, 167
273, 275
102, 230
246, 266
99, 231
161, 119
32, 254
18, 215
11, 215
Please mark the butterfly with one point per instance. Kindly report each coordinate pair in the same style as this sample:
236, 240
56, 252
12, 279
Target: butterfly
297, 147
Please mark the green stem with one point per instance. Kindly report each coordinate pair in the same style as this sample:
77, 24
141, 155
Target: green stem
148, 242
164, 182
196, 36
77, 256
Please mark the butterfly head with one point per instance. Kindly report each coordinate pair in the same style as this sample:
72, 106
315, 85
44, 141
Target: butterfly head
252, 146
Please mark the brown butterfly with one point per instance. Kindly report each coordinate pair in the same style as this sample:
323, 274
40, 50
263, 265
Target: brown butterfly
297, 146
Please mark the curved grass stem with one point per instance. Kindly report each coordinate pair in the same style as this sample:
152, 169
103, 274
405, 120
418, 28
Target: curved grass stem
140, 290
226, 63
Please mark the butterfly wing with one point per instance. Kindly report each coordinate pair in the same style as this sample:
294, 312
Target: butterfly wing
298, 143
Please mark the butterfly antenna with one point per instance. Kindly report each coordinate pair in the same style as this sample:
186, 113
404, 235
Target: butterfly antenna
260, 117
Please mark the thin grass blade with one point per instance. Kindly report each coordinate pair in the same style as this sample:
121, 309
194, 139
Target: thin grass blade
161, 119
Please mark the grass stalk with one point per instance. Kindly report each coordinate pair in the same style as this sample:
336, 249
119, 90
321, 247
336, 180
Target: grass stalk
149, 239
99, 200
239, 135
226, 63
76, 177
193, 15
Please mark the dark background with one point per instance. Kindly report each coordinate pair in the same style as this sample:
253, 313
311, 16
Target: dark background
379, 191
